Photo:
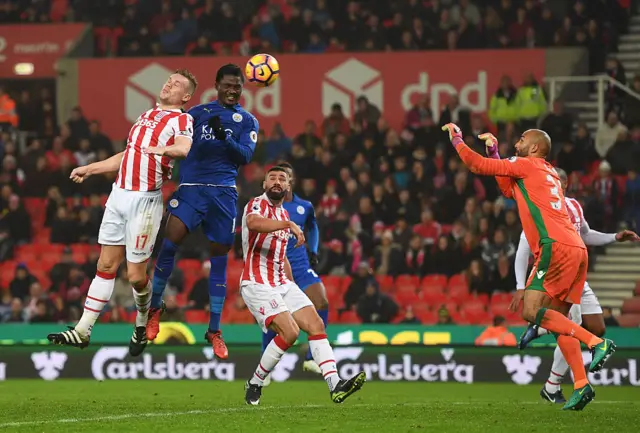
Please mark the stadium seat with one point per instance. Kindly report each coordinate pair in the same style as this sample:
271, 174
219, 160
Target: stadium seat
427, 317
331, 282
190, 265
349, 317
458, 292
345, 282
629, 320
196, 316
499, 308
408, 280
386, 283
435, 279
457, 279
449, 305
631, 305
406, 298
501, 297
432, 295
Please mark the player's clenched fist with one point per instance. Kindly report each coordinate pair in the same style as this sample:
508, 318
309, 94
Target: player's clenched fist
297, 233
79, 174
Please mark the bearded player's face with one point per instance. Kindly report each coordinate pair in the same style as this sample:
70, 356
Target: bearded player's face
276, 185
523, 146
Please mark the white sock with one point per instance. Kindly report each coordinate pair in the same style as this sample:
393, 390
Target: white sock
270, 358
542, 331
323, 356
99, 294
142, 299
558, 370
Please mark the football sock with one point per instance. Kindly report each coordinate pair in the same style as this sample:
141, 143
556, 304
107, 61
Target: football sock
217, 290
324, 315
163, 270
99, 294
270, 358
266, 338
559, 369
557, 323
570, 348
142, 298
323, 356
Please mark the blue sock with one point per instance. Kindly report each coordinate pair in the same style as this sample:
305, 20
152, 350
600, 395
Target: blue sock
164, 267
324, 315
217, 290
266, 338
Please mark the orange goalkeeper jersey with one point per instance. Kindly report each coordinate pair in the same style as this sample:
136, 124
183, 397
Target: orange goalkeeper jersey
535, 186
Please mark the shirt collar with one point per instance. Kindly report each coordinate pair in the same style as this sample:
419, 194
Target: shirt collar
235, 107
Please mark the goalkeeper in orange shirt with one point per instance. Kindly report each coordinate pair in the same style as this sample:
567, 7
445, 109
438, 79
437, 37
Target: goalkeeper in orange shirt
560, 269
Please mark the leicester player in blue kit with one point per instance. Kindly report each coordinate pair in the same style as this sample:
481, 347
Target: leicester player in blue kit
224, 138
302, 262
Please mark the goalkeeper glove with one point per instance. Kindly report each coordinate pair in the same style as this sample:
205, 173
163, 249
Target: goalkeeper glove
218, 131
455, 134
491, 143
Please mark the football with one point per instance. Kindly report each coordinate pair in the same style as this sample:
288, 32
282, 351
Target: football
262, 70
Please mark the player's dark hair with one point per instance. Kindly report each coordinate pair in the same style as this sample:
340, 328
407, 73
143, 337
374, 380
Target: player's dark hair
229, 69
285, 164
277, 168
561, 173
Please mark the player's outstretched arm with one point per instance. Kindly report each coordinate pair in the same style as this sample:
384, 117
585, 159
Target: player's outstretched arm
595, 238
179, 149
513, 167
109, 165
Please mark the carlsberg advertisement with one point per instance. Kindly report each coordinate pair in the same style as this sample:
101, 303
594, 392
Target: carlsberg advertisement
458, 365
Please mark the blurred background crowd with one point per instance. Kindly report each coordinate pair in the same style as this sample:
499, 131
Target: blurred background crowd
401, 219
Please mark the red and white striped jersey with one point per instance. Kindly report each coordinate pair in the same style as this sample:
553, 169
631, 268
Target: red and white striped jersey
264, 253
575, 213
154, 128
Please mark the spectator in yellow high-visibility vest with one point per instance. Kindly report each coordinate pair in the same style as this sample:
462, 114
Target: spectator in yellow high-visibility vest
503, 109
531, 103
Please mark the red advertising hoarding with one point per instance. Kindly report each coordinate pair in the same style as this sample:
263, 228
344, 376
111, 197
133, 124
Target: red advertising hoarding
40, 45
116, 91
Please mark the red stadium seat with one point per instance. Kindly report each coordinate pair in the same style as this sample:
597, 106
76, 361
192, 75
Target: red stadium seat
432, 295
631, 305
346, 281
386, 283
427, 317
196, 316
408, 280
499, 309
457, 279
429, 280
349, 317
629, 320
331, 282
405, 299
458, 292
501, 297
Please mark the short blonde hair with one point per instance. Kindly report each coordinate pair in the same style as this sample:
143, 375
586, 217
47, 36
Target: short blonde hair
193, 82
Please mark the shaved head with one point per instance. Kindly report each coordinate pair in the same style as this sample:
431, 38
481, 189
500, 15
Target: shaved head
534, 143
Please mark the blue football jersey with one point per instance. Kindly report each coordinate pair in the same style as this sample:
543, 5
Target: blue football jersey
302, 213
216, 162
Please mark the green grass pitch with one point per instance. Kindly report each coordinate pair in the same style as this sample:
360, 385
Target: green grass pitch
185, 406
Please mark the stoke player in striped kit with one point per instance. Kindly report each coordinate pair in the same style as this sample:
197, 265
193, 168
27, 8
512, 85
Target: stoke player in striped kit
134, 209
588, 313
275, 301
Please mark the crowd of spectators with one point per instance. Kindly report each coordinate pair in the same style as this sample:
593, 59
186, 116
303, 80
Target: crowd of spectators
205, 27
389, 202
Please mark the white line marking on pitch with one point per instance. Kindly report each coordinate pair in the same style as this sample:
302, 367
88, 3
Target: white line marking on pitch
254, 408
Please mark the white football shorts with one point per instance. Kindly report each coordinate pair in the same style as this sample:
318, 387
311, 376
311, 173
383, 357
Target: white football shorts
132, 219
265, 302
589, 304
